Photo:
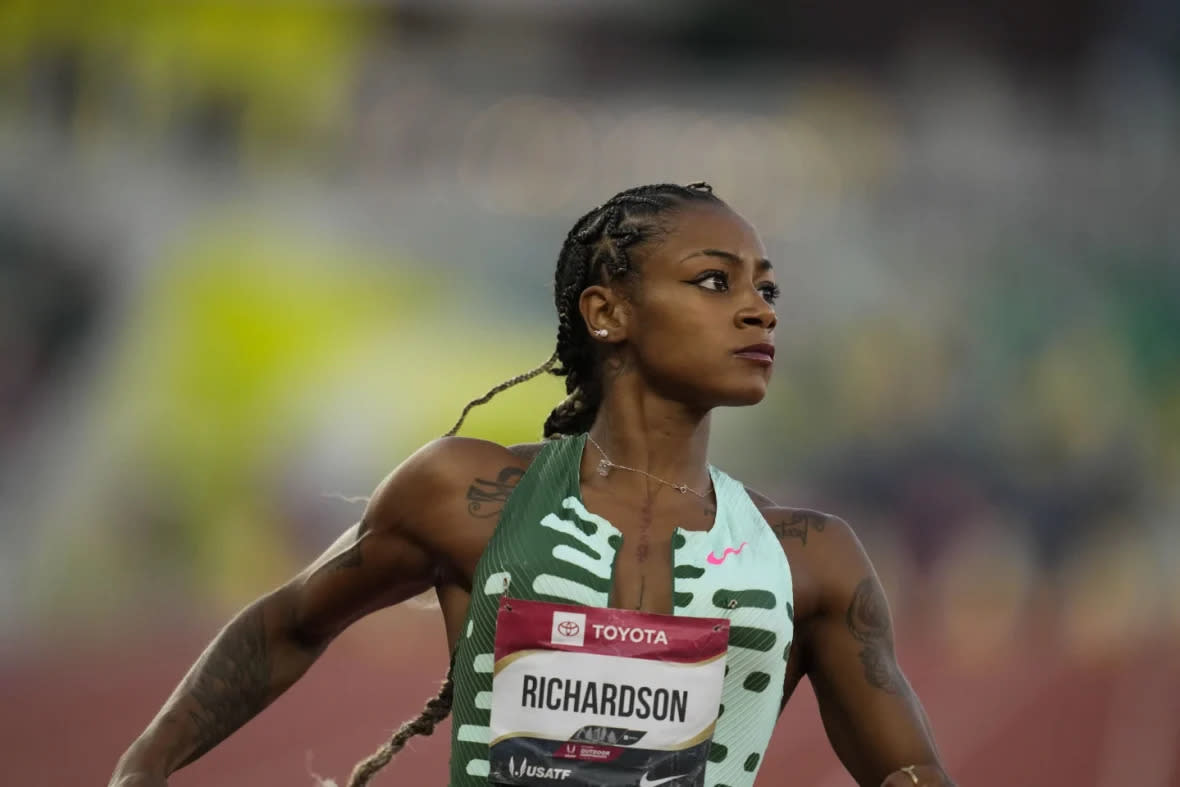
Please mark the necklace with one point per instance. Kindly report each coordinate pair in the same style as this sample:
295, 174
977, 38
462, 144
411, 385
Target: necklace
605, 464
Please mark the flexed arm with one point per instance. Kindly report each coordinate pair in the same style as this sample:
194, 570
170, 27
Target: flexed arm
270, 644
873, 719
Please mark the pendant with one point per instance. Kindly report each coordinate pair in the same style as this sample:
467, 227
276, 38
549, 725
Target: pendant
682, 489
603, 468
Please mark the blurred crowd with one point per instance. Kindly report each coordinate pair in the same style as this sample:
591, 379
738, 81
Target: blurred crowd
251, 255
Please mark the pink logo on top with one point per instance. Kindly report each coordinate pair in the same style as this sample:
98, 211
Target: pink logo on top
712, 558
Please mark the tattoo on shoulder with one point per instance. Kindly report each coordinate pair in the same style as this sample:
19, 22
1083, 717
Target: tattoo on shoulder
486, 498
232, 682
868, 620
350, 557
798, 524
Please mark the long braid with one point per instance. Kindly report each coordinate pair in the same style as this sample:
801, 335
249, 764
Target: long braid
517, 380
435, 711
594, 250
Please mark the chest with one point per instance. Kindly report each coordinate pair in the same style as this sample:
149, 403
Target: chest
653, 563
640, 568
645, 548
634, 543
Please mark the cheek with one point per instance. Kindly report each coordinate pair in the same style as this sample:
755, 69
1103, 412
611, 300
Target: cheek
677, 311
678, 338
672, 324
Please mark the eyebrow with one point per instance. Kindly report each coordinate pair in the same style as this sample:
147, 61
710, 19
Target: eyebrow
761, 264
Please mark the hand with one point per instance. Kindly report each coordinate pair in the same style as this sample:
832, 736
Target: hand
917, 776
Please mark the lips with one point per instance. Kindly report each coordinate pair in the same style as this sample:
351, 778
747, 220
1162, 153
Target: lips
760, 353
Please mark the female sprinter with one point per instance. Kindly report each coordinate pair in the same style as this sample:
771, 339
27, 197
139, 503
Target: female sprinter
619, 611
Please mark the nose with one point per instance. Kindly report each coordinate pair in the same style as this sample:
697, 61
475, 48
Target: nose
757, 313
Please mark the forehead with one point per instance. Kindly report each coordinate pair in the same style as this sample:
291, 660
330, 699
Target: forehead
710, 226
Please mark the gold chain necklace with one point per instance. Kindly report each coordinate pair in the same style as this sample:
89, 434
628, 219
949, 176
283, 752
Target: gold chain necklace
605, 464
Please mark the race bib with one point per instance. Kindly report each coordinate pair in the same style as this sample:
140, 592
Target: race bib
600, 697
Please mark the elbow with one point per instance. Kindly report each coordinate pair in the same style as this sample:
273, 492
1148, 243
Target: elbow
290, 629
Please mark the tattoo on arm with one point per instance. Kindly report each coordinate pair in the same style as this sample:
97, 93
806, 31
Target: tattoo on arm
351, 557
868, 620
231, 682
486, 499
798, 524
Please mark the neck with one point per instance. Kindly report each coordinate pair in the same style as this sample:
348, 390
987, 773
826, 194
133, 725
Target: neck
666, 439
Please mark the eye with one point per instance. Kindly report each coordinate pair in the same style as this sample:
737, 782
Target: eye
770, 292
716, 281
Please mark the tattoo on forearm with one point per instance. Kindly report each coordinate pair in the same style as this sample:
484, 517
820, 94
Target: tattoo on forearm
798, 524
868, 620
486, 499
350, 557
231, 684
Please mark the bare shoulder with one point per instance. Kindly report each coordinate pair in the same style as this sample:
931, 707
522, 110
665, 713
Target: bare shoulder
804, 525
439, 475
790, 523
526, 451
828, 562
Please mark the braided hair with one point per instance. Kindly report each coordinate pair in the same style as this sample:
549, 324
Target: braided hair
594, 251
437, 709
597, 251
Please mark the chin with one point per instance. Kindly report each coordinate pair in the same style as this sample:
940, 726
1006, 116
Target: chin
716, 388
743, 396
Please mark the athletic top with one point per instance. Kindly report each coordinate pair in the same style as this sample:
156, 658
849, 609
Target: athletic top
548, 547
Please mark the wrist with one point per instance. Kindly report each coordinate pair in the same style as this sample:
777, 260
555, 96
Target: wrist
927, 775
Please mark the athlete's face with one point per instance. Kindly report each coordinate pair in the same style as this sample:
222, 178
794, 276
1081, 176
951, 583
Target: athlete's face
700, 324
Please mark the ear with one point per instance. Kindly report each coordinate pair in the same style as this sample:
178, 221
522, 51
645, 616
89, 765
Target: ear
604, 309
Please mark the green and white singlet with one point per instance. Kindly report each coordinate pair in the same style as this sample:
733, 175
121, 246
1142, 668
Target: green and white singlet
548, 547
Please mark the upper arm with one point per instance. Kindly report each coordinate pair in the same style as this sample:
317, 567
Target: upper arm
873, 718
380, 560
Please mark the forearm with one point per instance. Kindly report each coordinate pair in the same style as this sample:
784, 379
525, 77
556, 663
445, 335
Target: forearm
253, 660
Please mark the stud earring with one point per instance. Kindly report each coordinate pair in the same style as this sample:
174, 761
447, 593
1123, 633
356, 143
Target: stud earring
600, 333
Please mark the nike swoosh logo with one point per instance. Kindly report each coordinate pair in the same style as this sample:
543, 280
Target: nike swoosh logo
646, 782
712, 558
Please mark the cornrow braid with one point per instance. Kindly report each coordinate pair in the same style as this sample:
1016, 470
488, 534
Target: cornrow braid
435, 711
596, 250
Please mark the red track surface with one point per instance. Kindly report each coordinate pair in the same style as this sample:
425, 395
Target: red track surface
1036, 719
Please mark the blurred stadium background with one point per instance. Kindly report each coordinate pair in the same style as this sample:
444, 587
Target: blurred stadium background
252, 254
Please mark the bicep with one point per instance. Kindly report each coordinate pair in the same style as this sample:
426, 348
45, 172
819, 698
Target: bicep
360, 573
375, 563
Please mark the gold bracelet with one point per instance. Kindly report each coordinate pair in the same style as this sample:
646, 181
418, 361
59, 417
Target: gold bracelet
908, 770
